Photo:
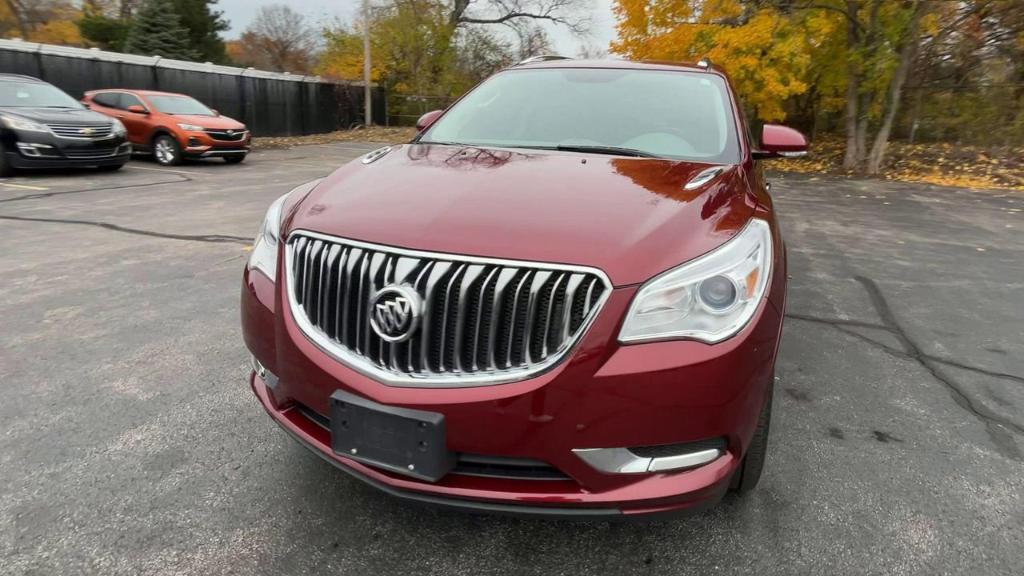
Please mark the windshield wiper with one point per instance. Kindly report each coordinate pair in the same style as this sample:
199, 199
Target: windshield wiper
611, 150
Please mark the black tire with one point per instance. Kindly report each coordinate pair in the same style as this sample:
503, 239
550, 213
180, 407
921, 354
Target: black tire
166, 150
110, 167
235, 159
5, 167
749, 473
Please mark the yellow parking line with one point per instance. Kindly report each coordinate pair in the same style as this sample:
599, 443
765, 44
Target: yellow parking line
23, 186
166, 170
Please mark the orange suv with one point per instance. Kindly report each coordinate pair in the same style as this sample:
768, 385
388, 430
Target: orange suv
172, 127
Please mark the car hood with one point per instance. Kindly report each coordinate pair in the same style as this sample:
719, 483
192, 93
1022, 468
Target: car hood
630, 217
57, 115
214, 122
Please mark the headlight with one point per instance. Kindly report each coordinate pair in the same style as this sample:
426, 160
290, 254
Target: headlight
15, 123
265, 248
118, 127
710, 298
190, 127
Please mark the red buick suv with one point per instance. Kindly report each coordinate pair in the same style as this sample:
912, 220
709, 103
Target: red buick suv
563, 297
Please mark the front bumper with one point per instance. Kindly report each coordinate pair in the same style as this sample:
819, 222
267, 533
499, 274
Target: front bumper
41, 150
202, 145
605, 395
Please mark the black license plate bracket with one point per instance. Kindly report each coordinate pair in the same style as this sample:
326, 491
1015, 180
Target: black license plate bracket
402, 440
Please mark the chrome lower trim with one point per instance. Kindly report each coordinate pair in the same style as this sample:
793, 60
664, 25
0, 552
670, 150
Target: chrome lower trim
211, 153
432, 380
622, 461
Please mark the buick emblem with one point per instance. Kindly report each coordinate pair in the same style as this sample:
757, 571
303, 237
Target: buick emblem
395, 313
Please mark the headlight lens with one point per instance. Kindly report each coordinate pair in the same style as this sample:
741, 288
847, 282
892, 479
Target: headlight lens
190, 127
118, 127
710, 298
15, 123
264, 249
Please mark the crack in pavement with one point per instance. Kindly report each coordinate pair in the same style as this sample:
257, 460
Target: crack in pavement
841, 323
999, 428
211, 238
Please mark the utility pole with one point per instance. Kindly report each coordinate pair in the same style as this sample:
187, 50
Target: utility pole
367, 98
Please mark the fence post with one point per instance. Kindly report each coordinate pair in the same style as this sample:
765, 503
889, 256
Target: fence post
39, 62
156, 73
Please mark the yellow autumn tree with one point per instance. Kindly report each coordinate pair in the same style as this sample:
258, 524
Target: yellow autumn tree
766, 54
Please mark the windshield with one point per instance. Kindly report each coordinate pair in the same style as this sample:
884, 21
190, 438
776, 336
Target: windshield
34, 95
682, 115
180, 105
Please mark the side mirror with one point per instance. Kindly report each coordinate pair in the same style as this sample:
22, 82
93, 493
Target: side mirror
136, 109
780, 141
427, 119
215, 112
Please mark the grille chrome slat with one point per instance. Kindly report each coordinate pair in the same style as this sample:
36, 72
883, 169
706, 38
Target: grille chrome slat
483, 321
82, 131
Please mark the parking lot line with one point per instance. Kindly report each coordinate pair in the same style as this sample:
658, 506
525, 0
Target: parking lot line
166, 170
23, 186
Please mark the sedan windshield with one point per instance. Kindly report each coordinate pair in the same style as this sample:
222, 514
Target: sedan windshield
182, 105
34, 95
669, 114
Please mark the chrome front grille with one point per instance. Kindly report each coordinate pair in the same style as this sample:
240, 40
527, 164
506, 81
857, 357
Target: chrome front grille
81, 131
482, 321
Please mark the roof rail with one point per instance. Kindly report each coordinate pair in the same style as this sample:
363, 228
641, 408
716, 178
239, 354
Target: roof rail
543, 58
705, 63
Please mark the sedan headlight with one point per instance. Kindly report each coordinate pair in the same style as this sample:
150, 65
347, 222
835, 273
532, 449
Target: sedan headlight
15, 123
265, 247
117, 127
190, 127
710, 298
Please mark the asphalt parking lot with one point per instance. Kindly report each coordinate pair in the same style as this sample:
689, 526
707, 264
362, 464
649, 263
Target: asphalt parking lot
131, 443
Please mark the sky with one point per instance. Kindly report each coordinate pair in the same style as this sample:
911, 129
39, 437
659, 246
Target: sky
321, 12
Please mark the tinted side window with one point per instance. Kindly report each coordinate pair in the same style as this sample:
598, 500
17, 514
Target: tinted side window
108, 99
130, 100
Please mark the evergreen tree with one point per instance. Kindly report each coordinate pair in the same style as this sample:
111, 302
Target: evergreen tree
157, 31
204, 27
104, 32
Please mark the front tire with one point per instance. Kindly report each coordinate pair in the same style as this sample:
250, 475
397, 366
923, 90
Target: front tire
235, 159
166, 150
749, 472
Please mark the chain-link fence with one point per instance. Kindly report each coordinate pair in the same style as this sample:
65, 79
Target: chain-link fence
991, 115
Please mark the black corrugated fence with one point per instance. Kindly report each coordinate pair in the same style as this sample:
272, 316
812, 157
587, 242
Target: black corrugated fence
269, 103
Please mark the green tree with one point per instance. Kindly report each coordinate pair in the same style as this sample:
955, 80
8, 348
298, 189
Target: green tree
156, 30
204, 26
103, 31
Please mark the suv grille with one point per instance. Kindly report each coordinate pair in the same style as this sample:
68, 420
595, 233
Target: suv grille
483, 321
234, 136
91, 154
81, 131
